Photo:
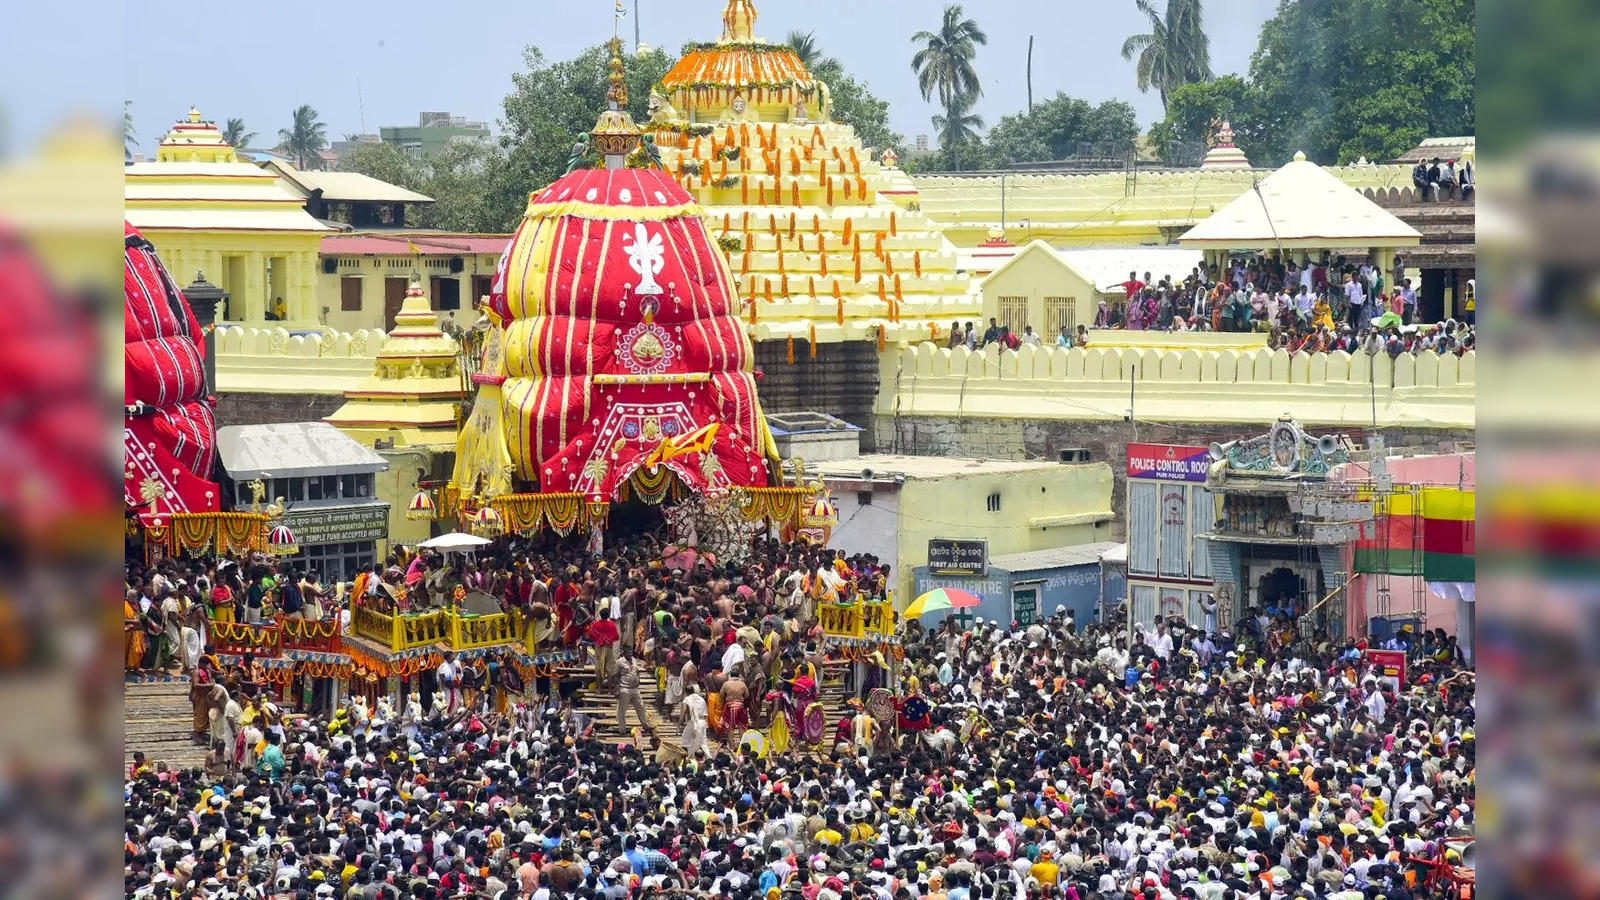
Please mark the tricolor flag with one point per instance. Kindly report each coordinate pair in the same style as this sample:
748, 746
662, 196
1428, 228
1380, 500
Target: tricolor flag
1431, 533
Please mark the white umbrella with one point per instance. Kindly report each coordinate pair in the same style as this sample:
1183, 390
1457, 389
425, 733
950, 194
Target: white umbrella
455, 541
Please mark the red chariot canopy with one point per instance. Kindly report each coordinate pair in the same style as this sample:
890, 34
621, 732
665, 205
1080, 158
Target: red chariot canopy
623, 350
170, 432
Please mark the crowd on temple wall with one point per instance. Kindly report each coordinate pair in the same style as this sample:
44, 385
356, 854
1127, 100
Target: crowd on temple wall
998, 761
1319, 307
1444, 181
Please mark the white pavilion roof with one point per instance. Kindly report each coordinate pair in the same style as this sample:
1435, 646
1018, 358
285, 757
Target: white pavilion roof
1301, 206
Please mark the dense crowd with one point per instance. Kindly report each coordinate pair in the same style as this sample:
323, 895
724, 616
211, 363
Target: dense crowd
1046, 760
1317, 306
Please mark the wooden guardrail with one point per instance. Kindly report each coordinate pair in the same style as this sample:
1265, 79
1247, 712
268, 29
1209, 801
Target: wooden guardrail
269, 640
857, 620
468, 632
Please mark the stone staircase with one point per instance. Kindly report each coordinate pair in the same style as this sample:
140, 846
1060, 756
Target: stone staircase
158, 719
601, 705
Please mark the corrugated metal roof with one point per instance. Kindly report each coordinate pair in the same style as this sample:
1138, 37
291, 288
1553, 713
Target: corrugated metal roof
347, 185
293, 450
1054, 558
399, 244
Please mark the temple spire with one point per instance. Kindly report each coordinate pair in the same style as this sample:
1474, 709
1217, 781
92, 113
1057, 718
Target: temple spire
615, 135
739, 21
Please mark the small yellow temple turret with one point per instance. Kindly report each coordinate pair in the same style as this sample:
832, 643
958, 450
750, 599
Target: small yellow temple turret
195, 140
824, 236
411, 400
413, 393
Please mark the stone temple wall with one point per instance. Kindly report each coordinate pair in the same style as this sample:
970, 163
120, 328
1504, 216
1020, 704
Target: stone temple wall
842, 381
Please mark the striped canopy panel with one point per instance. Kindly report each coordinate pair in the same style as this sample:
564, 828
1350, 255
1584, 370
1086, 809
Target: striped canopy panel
622, 347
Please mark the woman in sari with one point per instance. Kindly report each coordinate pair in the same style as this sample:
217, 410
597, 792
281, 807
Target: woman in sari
133, 633
1321, 314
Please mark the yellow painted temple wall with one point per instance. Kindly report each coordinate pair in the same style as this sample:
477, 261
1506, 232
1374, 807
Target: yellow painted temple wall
1039, 291
1180, 385
273, 361
374, 271
1042, 506
254, 267
1052, 506
1101, 209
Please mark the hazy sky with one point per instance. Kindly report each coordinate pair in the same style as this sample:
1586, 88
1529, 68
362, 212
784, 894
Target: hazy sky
364, 64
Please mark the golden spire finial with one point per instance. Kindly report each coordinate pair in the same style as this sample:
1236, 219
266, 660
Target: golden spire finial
618, 93
739, 21
615, 135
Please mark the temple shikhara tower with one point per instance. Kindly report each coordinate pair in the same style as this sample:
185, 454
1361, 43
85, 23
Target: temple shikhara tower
616, 366
825, 240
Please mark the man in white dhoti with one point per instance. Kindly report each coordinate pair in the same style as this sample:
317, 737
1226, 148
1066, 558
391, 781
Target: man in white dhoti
694, 720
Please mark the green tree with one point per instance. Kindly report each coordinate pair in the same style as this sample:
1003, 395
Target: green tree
944, 67
1174, 52
804, 45
236, 136
460, 178
1342, 79
957, 129
855, 105
304, 137
1191, 110
550, 105
385, 162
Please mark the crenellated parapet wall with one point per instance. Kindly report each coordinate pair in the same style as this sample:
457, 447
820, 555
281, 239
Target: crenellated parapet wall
1188, 385
278, 361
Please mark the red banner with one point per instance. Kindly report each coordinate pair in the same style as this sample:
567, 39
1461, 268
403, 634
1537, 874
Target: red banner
1389, 664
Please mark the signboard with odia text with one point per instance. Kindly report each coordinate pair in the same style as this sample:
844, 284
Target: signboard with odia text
952, 557
338, 524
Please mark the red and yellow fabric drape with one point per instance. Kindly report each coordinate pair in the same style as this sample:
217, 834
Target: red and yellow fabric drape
222, 532
561, 513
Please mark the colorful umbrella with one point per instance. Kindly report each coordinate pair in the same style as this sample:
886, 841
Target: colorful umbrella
941, 598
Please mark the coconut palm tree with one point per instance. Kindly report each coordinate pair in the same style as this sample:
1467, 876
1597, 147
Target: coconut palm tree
236, 136
957, 128
130, 138
804, 45
944, 64
944, 67
1176, 50
304, 138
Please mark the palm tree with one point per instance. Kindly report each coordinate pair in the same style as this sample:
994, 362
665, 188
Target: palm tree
304, 138
957, 128
130, 138
236, 136
1175, 52
944, 64
804, 45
